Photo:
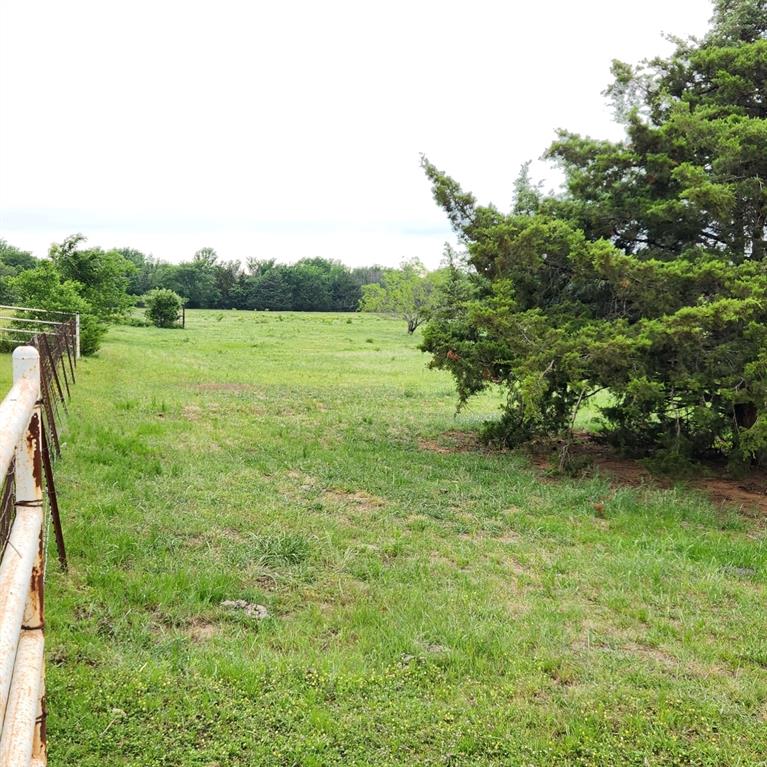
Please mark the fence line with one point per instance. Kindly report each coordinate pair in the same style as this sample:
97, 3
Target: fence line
58, 342
43, 371
22, 569
24, 316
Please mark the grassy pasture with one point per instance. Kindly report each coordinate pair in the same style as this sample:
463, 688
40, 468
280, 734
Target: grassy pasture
426, 606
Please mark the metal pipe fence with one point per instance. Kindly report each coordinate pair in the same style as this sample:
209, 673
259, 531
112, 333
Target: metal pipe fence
22, 567
44, 369
56, 336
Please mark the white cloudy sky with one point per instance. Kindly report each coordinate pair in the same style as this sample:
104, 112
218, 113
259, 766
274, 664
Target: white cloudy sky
291, 129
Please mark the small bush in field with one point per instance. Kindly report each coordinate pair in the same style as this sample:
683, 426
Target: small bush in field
163, 307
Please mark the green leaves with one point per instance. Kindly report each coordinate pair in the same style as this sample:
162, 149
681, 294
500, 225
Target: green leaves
163, 307
102, 276
408, 292
648, 276
44, 287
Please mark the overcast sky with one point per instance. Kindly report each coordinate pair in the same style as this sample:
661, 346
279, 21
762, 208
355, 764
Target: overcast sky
292, 129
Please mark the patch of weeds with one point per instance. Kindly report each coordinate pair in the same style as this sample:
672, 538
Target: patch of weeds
572, 465
672, 463
279, 549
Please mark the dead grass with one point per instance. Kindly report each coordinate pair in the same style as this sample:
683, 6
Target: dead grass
224, 387
357, 499
200, 630
191, 412
454, 441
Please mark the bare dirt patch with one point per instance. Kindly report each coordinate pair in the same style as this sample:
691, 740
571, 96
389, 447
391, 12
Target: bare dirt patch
654, 654
200, 630
594, 457
358, 499
508, 537
233, 387
604, 638
454, 441
748, 493
191, 412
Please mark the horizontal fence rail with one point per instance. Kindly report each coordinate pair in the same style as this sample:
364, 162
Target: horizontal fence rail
22, 568
16, 321
43, 371
56, 336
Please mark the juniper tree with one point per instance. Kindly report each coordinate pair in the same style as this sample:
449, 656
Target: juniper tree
647, 277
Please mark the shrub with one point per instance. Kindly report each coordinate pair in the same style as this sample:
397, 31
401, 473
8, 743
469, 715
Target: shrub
43, 288
163, 307
646, 279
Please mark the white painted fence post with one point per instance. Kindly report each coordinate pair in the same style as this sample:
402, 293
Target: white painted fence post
77, 336
23, 736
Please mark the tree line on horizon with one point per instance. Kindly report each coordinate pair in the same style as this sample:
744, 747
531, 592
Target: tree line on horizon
206, 282
102, 285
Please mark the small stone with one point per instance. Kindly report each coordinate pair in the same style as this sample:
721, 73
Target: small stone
257, 611
250, 609
743, 572
437, 648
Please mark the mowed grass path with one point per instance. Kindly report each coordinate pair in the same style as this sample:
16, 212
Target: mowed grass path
426, 608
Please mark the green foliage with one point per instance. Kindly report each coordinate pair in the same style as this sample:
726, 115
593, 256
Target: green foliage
269, 289
196, 279
409, 292
311, 284
91, 282
315, 284
647, 278
229, 286
12, 258
149, 272
142, 277
163, 307
102, 276
44, 287
13, 261
527, 194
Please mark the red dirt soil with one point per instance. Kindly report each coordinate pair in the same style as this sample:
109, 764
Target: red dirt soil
748, 493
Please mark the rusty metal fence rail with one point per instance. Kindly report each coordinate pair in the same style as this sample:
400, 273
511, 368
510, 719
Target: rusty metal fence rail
43, 372
22, 568
56, 336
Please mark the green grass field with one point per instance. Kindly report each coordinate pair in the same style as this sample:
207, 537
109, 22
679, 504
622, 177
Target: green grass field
426, 606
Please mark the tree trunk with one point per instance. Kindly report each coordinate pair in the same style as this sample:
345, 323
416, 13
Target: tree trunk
757, 242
